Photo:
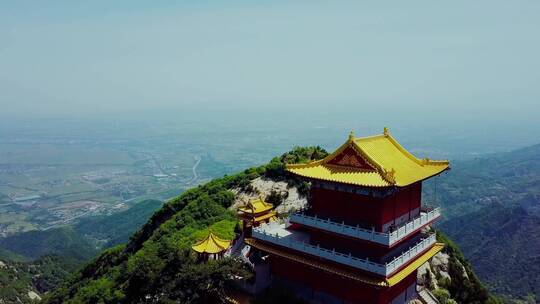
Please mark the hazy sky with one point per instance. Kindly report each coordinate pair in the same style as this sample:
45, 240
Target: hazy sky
454, 58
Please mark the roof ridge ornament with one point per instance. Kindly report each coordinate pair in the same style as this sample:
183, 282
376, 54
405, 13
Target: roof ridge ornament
385, 131
351, 136
389, 175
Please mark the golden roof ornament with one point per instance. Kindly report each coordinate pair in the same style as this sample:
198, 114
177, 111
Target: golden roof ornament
385, 131
351, 136
389, 175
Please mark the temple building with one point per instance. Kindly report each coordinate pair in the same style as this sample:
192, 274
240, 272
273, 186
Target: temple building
254, 213
211, 247
364, 232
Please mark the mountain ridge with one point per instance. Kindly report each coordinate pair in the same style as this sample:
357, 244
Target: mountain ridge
492, 207
157, 263
474, 183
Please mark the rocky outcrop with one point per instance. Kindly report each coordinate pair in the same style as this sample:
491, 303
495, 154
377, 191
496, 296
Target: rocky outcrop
15, 283
288, 196
436, 268
441, 274
33, 295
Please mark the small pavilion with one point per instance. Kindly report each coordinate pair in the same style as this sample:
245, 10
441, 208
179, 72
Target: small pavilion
211, 247
256, 212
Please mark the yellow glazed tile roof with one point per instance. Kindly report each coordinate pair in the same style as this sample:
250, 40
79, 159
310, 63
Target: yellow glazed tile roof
211, 244
403, 273
387, 163
270, 215
256, 206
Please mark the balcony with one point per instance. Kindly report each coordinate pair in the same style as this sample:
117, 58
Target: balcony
384, 238
277, 234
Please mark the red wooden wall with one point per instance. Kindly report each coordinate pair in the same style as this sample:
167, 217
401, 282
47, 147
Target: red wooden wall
348, 245
356, 208
350, 290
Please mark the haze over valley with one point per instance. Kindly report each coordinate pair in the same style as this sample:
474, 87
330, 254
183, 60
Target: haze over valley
111, 111
99, 167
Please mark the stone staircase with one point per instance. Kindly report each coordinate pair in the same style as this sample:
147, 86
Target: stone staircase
426, 297
237, 247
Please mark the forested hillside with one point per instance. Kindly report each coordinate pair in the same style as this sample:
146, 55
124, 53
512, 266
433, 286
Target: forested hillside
110, 230
157, 265
23, 282
492, 211
503, 244
63, 241
38, 261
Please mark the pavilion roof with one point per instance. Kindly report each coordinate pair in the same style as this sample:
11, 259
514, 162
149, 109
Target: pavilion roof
374, 161
256, 206
270, 215
211, 244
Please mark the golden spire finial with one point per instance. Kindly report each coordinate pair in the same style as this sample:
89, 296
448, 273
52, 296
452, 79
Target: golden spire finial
351, 135
385, 131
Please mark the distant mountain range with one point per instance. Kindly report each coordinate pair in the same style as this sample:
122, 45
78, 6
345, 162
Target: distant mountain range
493, 214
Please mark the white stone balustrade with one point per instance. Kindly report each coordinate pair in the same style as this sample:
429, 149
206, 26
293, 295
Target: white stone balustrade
408, 255
384, 238
347, 259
